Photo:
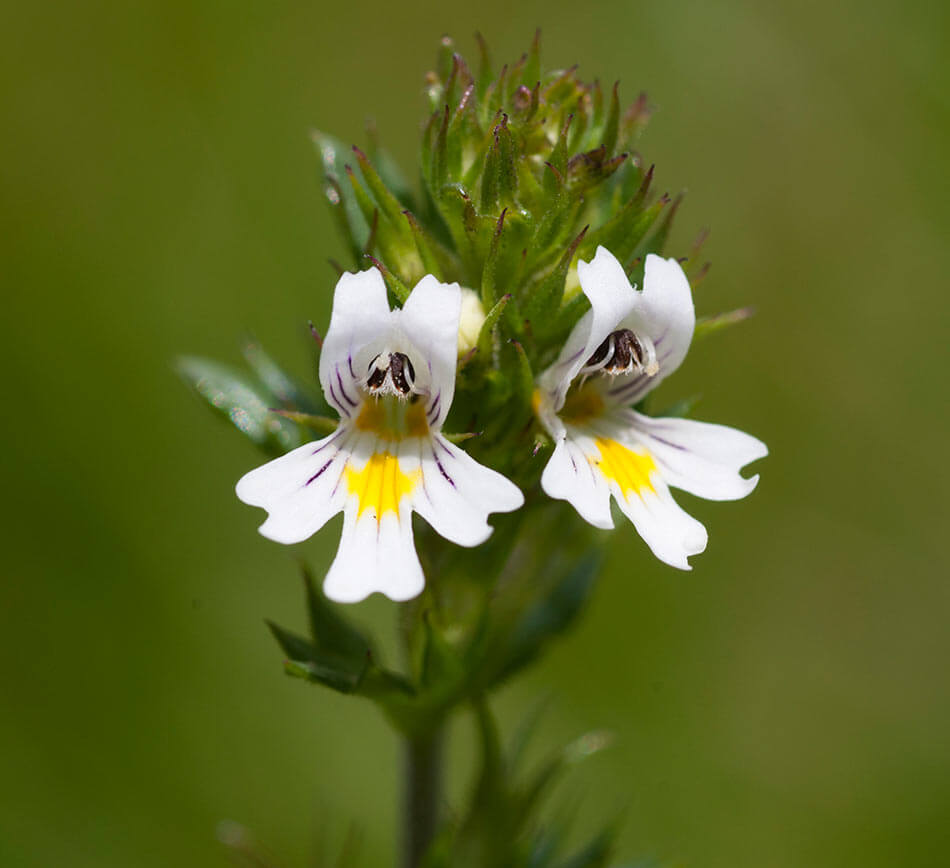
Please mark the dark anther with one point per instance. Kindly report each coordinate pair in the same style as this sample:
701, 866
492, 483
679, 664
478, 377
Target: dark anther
402, 372
627, 347
391, 373
377, 378
599, 354
621, 352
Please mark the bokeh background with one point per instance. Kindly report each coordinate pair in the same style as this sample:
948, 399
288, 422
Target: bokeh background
785, 704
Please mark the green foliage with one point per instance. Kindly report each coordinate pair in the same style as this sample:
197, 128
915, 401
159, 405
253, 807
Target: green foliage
245, 402
711, 324
506, 822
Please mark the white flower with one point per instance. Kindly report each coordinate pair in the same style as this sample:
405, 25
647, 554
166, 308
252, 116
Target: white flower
391, 376
620, 349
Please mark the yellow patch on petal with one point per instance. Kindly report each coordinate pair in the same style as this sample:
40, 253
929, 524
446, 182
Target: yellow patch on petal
584, 404
381, 484
393, 419
630, 470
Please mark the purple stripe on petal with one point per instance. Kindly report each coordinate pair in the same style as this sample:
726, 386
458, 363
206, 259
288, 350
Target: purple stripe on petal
436, 442
442, 471
349, 362
339, 380
434, 407
328, 442
317, 474
337, 402
669, 443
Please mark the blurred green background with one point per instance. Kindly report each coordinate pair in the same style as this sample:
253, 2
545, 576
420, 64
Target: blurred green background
785, 704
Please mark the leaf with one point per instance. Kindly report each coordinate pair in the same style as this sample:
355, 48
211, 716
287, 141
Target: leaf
708, 325
294, 646
329, 674
277, 381
658, 241
596, 854
309, 662
681, 408
343, 204
383, 196
486, 333
329, 629
548, 616
321, 424
246, 404
389, 170
489, 268
545, 298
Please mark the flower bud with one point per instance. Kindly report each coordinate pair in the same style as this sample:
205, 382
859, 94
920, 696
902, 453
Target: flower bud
471, 321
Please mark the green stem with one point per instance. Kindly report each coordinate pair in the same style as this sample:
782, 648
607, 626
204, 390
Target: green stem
422, 795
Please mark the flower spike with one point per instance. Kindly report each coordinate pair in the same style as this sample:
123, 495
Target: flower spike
619, 350
390, 374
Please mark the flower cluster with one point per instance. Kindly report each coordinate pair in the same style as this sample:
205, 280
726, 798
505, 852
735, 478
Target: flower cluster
390, 375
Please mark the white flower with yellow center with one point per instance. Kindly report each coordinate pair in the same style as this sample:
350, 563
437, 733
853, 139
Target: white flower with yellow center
391, 376
619, 350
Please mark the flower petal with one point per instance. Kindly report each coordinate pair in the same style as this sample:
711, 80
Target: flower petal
299, 490
571, 475
457, 493
430, 321
663, 312
589, 466
699, 457
361, 315
611, 298
670, 532
375, 554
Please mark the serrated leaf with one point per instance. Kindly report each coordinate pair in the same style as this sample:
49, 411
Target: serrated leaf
557, 161
277, 381
709, 325
486, 333
236, 397
623, 233
546, 295
387, 202
390, 171
489, 269
352, 223
398, 289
